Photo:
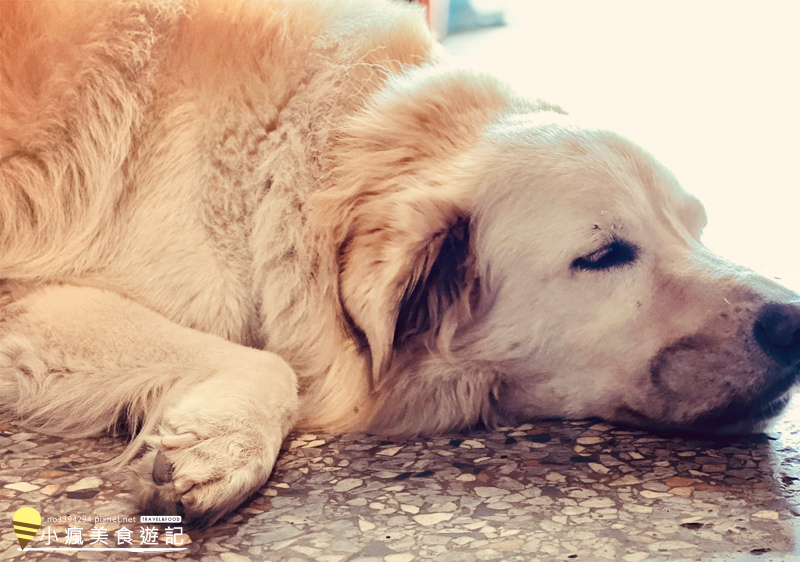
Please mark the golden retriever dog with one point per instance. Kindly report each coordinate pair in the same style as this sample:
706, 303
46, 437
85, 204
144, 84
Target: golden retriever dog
224, 219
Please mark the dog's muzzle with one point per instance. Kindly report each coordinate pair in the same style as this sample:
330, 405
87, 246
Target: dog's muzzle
777, 331
746, 381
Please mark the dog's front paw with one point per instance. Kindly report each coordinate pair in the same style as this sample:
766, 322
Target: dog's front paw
216, 445
202, 479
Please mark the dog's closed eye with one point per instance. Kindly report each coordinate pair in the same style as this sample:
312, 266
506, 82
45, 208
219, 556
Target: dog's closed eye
615, 254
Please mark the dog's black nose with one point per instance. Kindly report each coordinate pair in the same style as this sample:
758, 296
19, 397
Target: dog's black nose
777, 331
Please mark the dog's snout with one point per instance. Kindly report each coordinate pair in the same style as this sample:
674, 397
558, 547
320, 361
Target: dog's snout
777, 331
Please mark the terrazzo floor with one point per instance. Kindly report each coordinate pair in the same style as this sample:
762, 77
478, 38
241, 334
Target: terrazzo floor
542, 491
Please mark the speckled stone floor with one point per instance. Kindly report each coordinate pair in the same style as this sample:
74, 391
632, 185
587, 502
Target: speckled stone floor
541, 491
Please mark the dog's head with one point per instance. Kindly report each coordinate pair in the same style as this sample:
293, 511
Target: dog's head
609, 303
503, 264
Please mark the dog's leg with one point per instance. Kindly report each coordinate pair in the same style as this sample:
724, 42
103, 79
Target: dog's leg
212, 414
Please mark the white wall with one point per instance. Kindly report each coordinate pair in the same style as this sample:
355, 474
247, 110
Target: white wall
712, 88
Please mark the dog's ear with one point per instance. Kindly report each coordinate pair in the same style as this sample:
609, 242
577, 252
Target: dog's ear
439, 279
403, 267
397, 212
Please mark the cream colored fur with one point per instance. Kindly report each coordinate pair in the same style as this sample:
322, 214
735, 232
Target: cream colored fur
220, 220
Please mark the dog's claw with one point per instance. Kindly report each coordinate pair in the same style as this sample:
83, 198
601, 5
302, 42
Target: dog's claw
162, 469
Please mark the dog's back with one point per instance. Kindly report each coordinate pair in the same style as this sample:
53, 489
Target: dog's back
139, 138
76, 81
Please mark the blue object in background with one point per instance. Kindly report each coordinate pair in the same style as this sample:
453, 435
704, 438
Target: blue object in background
464, 16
